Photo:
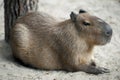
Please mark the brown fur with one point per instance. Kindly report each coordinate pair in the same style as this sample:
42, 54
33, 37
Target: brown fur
43, 42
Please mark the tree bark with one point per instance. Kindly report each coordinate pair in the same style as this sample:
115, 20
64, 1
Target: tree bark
14, 9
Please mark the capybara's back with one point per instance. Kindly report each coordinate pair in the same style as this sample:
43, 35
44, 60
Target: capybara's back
39, 40
31, 40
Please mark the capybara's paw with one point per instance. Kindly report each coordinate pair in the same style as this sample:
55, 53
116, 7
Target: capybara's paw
97, 70
103, 70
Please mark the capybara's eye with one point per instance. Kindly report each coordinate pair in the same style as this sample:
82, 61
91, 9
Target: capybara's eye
86, 23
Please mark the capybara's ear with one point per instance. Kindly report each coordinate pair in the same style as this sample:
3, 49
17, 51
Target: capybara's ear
73, 16
82, 11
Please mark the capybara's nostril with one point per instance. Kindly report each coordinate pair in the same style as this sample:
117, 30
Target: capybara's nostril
108, 32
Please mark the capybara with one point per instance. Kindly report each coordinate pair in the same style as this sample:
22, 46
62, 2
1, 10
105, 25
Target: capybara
42, 41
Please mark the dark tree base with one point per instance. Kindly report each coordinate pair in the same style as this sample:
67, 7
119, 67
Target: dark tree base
14, 9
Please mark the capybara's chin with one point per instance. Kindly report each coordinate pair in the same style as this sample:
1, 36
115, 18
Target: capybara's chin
104, 40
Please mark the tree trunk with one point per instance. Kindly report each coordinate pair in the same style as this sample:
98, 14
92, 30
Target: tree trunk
14, 9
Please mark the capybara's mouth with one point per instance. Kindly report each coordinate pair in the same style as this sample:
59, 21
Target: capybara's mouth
105, 41
109, 39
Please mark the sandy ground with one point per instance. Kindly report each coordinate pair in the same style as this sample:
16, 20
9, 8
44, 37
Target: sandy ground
107, 56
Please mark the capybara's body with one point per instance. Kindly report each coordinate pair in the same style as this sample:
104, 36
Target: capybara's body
39, 40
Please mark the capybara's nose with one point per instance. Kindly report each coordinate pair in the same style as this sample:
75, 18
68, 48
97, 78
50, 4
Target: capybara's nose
108, 31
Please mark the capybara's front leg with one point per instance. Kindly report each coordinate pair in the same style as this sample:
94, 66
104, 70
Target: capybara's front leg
93, 63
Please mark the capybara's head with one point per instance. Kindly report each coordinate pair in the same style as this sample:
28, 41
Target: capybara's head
91, 28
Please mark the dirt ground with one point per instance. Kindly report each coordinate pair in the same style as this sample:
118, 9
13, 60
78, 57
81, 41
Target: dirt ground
107, 56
